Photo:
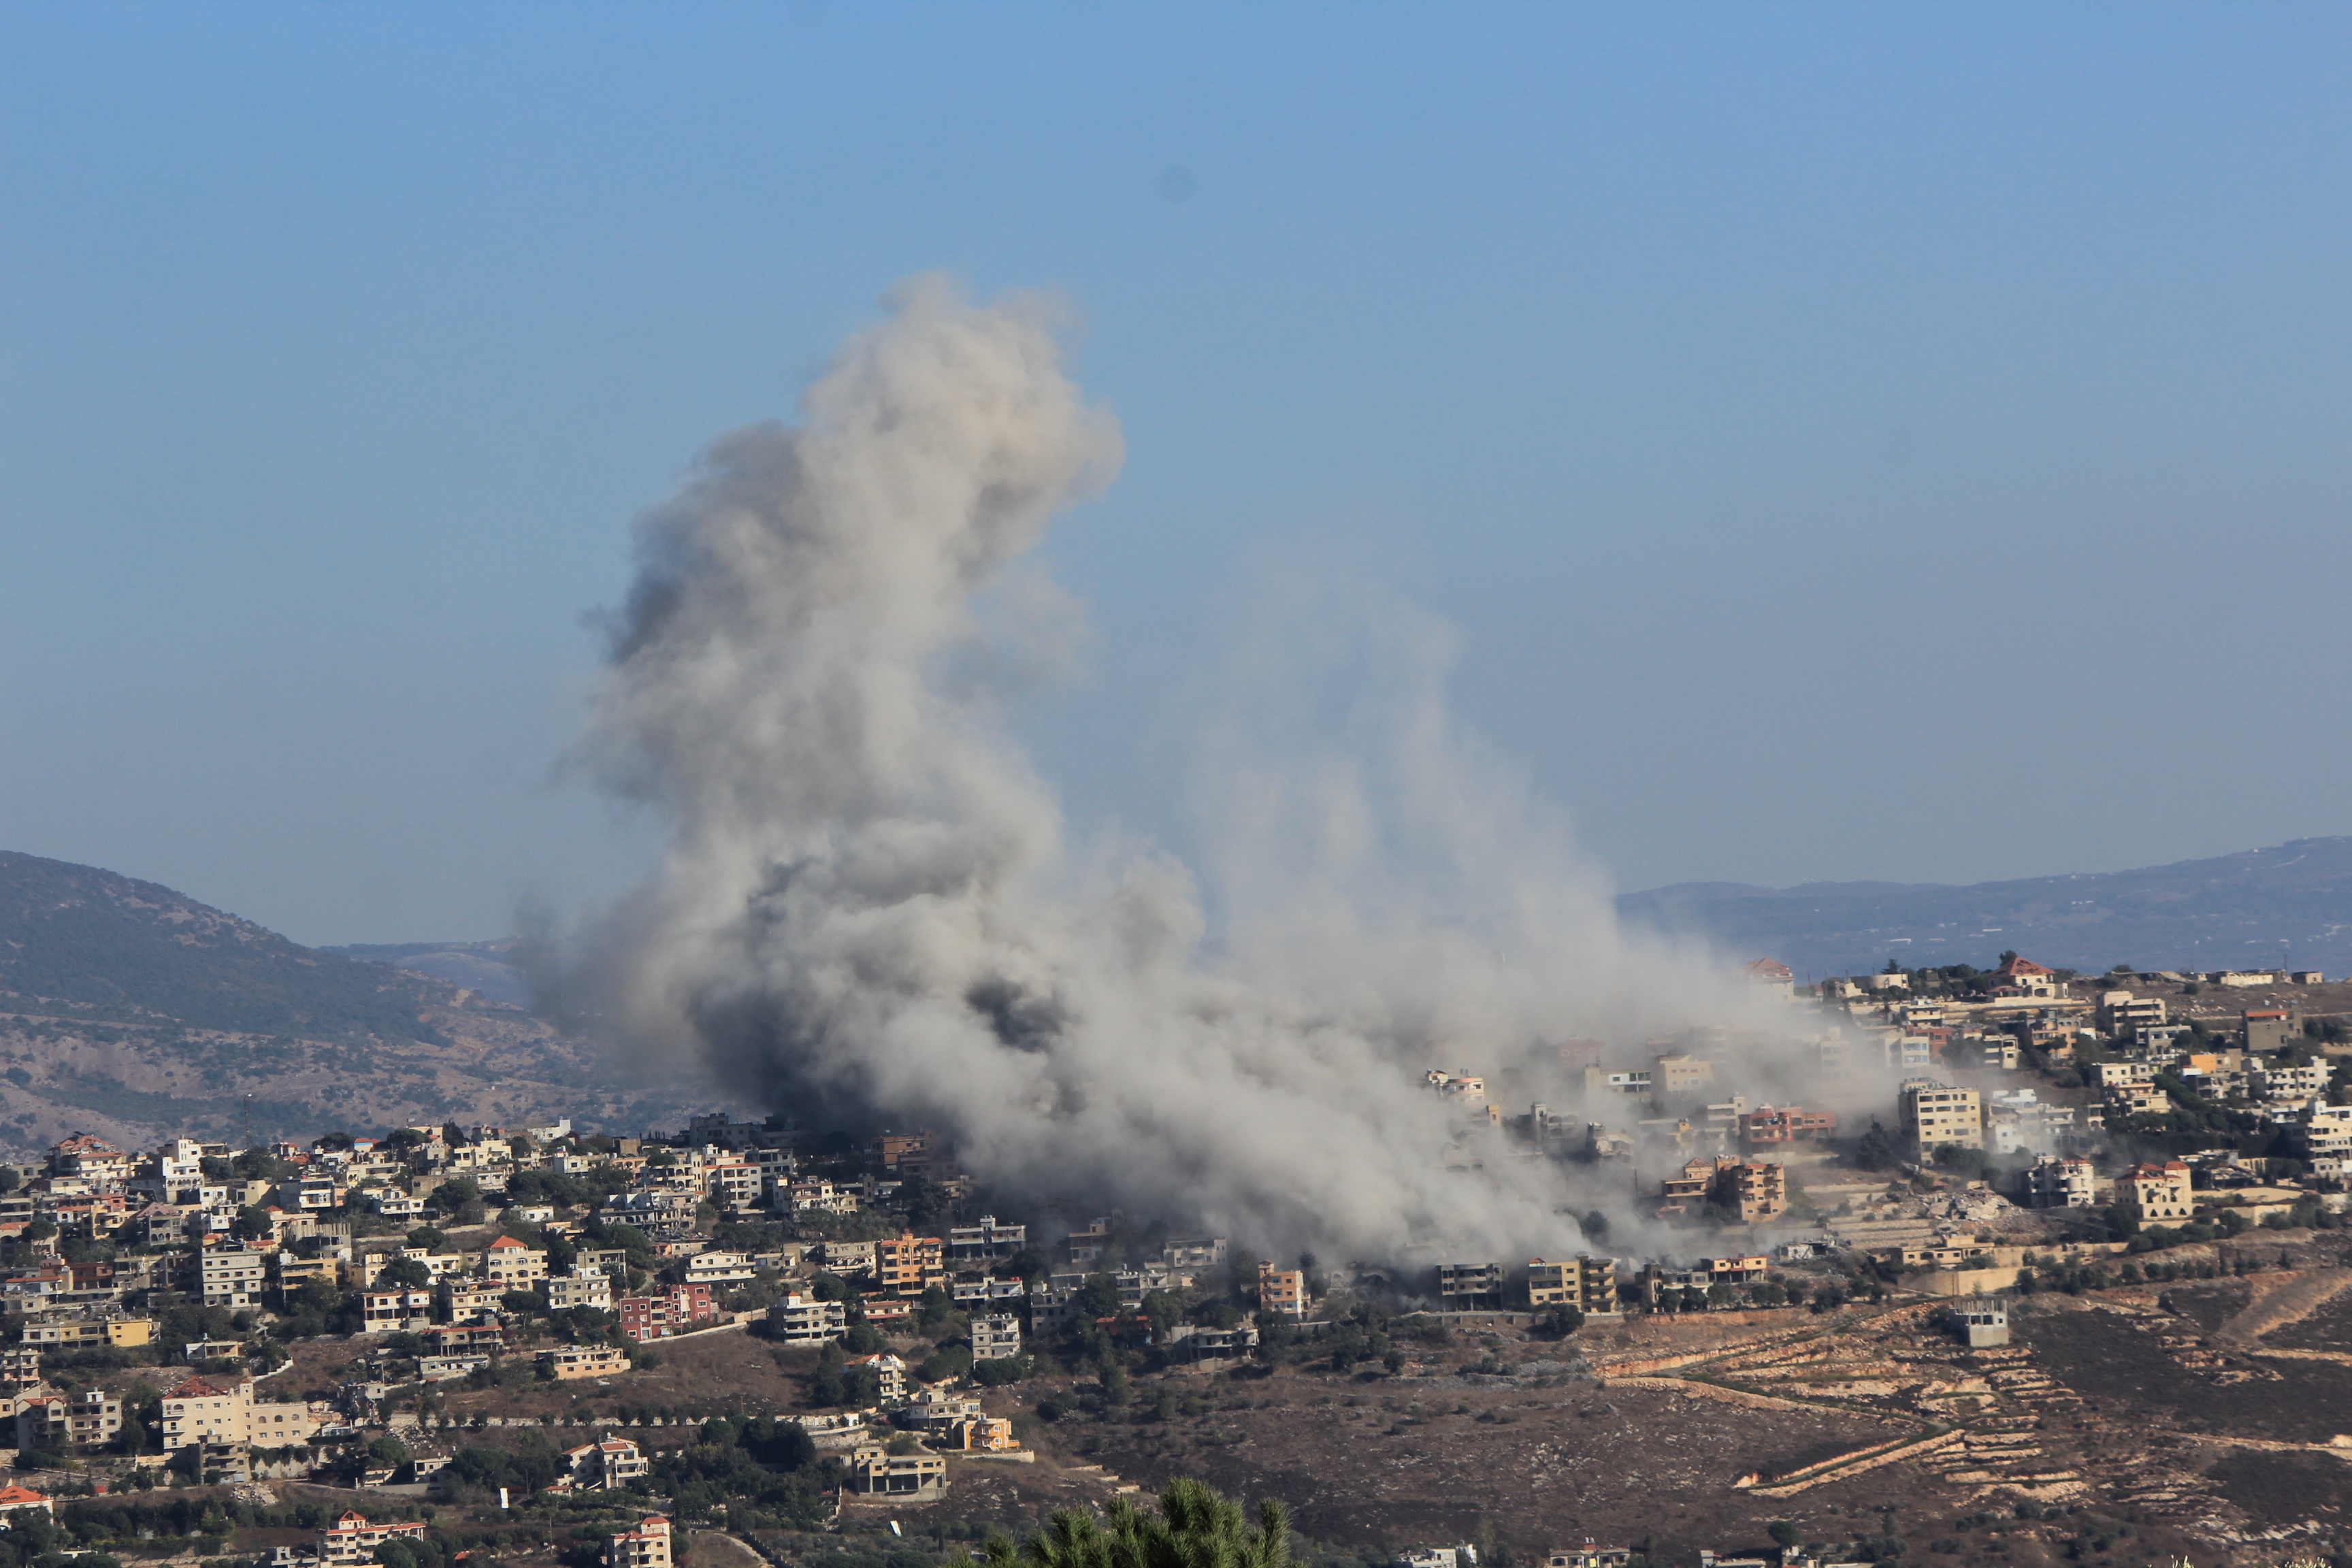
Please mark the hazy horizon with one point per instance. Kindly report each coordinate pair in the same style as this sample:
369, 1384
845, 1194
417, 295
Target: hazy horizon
1844, 443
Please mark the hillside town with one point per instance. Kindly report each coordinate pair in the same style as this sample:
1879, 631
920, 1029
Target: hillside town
366, 1313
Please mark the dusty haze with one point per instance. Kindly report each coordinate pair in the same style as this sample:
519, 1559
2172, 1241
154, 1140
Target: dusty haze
871, 910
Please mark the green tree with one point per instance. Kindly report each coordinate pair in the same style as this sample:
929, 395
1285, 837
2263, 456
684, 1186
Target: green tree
1196, 1527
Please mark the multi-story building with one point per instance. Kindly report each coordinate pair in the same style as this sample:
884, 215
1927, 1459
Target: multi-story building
2123, 1015
908, 1265
2162, 1192
566, 1362
1469, 1287
395, 1312
231, 1277
61, 1423
1586, 1283
2057, 1181
1281, 1292
721, 1270
608, 1465
1937, 1115
889, 1375
804, 1320
1756, 1190
995, 1336
2284, 1080
985, 1241
1772, 1126
593, 1289
874, 1470
647, 1546
665, 1313
1677, 1073
352, 1539
508, 1262
200, 1412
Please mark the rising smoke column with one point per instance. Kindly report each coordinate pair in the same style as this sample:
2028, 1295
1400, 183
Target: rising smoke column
867, 908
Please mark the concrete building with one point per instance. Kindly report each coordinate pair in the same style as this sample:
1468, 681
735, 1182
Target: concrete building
1984, 1322
591, 1288
1772, 1126
61, 1423
1469, 1287
566, 1362
804, 1320
1935, 1115
995, 1336
1282, 1292
647, 1546
1755, 1191
608, 1465
875, 1471
200, 1412
1586, 1283
508, 1263
2162, 1192
231, 1277
2268, 1028
2055, 1182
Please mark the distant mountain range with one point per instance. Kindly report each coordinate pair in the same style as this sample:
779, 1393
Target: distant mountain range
135, 1013
2288, 907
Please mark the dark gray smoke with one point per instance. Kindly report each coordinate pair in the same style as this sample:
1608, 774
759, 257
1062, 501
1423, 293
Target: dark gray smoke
869, 907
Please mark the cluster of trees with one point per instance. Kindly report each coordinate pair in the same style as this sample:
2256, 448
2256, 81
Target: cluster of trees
1196, 1525
757, 1473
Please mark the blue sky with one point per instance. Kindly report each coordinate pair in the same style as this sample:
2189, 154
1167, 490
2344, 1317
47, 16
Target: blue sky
1854, 441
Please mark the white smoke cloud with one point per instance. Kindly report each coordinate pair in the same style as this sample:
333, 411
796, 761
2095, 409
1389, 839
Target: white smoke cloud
869, 905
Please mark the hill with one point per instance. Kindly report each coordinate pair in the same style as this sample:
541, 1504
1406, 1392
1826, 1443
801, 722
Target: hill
137, 1014
2286, 906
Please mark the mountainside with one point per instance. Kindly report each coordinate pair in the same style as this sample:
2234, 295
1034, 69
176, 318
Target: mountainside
2288, 907
137, 1014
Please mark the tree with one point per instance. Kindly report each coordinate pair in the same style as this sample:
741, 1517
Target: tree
1873, 1152
251, 1225
1196, 1525
408, 1273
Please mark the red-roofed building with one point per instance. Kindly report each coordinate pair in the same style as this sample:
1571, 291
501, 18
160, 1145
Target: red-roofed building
352, 1539
2024, 977
1769, 974
24, 1500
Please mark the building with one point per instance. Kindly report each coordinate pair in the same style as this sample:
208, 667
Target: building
569, 1362
23, 1500
2024, 977
80, 1333
1469, 1287
395, 1312
200, 1412
908, 1264
1774, 1126
995, 1336
1755, 1191
1678, 1073
1983, 1321
1770, 976
2056, 1181
2123, 1014
986, 1241
606, 1466
876, 1472
231, 1277
1282, 1292
666, 1313
2268, 1028
1936, 1115
508, 1262
2162, 1192
352, 1539
592, 1288
720, 1270
2284, 1080
1586, 1283
803, 1321
61, 1423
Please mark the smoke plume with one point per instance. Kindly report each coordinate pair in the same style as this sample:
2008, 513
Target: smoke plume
870, 909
